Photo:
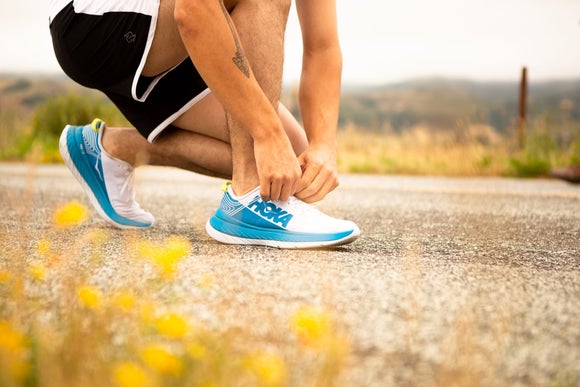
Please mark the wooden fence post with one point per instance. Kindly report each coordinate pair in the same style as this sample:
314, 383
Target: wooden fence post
523, 103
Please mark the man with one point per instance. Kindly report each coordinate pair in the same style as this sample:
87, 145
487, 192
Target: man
157, 60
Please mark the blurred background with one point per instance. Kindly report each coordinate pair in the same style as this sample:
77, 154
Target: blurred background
429, 87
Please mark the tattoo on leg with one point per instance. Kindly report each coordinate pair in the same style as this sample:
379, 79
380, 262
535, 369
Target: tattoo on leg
239, 59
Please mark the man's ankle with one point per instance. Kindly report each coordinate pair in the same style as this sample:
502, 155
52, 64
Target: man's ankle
113, 147
242, 188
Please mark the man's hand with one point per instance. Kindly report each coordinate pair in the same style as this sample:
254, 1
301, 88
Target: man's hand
278, 168
319, 174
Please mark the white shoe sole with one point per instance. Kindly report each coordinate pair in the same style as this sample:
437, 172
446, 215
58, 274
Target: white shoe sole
233, 240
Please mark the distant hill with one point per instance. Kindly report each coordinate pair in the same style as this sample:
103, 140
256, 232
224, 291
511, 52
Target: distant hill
442, 103
21, 94
435, 103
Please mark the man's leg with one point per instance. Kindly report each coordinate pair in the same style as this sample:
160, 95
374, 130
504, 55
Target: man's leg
243, 216
260, 26
247, 219
207, 148
199, 143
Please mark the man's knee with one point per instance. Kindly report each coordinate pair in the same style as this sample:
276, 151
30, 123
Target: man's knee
275, 8
186, 12
283, 6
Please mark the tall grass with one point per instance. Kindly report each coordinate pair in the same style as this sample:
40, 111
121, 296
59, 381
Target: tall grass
464, 150
61, 325
472, 150
421, 151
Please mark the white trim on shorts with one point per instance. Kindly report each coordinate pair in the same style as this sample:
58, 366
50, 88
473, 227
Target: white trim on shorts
100, 7
55, 6
157, 131
153, 82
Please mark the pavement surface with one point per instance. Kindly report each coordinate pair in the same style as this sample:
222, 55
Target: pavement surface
473, 281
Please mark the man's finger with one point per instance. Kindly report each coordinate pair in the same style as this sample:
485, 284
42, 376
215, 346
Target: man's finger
265, 190
315, 178
286, 191
320, 187
309, 174
275, 189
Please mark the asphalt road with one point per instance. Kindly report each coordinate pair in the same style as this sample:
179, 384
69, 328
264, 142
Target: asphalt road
451, 279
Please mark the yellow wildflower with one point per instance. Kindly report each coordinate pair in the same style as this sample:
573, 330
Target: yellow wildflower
269, 368
196, 350
89, 296
44, 250
4, 276
70, 214
311, 325
43, 247
127, 374
97, 236
147, 312
161, 360
13, 352
206, 282
124, 301
37, 271
165, 255
145, 249
172, 325
177, 247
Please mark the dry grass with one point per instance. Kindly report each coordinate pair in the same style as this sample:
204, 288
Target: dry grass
60, 326
478, 151
467, 150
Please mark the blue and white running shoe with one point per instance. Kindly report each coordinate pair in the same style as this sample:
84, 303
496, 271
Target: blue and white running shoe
292, 224
107, 181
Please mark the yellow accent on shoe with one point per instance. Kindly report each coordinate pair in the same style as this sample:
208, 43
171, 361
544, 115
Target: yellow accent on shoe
96, 124
226, 185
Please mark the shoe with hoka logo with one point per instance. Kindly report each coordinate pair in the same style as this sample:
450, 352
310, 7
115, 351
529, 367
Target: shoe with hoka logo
291, 224
106, 180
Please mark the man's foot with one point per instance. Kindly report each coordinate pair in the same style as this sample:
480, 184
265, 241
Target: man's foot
107, 181
570, 174
248, 220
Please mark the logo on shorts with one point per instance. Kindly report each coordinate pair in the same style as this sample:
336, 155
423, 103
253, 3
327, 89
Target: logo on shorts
130, 37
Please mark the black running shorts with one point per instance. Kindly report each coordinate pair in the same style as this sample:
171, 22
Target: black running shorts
104, 44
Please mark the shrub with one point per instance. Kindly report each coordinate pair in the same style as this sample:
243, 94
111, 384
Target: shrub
529, 166
40, 140
50, 117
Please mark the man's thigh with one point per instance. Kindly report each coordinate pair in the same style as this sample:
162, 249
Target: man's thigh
167, 48
207, 117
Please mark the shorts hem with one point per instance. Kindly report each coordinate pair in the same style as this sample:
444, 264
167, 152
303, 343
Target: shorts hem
137, 76
159, 128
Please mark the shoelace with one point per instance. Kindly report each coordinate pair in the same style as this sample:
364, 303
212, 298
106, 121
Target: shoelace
298, 206
127, 190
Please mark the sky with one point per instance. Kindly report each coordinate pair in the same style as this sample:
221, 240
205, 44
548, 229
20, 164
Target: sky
385, 41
